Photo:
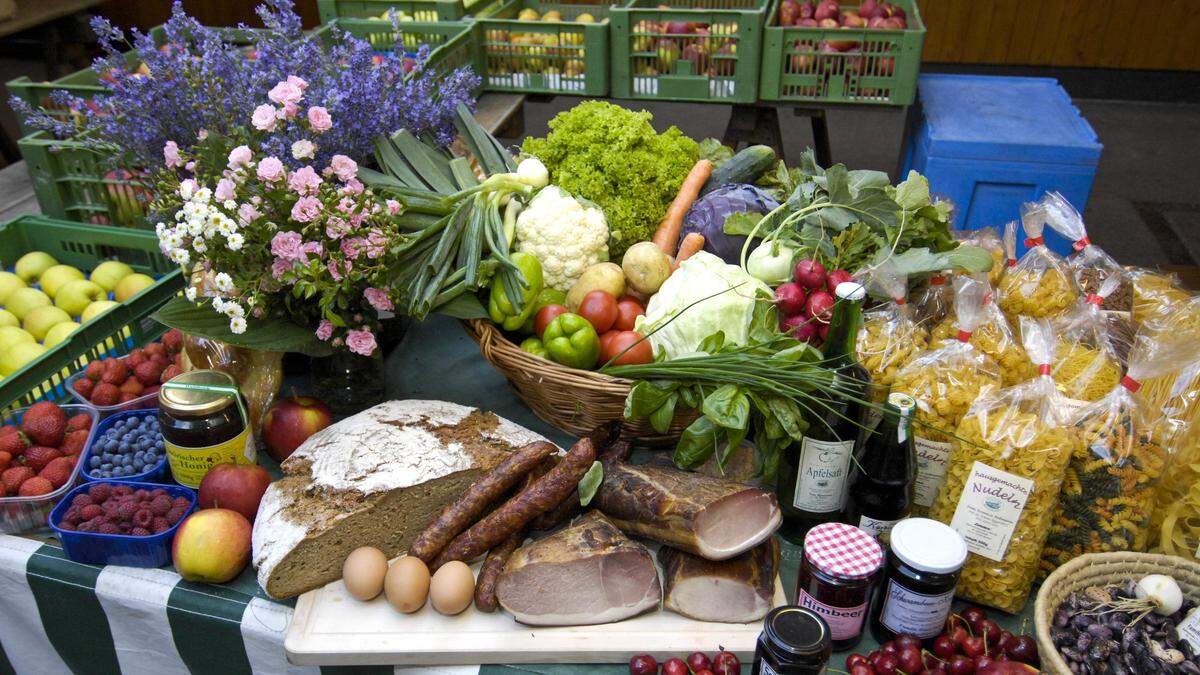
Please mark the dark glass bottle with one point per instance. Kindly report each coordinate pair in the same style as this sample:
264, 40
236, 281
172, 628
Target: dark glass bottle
884, 470
812, 478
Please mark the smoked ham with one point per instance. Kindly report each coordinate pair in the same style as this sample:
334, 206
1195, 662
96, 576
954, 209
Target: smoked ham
738, 590
710, 517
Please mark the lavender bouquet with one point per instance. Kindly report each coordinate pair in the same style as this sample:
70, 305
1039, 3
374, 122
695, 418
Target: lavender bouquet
199, 82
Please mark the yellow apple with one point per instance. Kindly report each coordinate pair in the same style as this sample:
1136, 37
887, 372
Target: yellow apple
9, 282
40, 320
96, 309
54, 278
75, 296
131, 285
23, 300
31, 265
59, 333
11, 335
212, 545
18, 355
7, 318
109, 272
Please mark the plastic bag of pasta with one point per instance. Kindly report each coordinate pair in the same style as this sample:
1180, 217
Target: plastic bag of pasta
1108, 494
944, 382
934, 301
1010, 245
994, 337
1087, 362
1002, 482
890, 337
1041, 284
1089, 264
988, 239
1155, 295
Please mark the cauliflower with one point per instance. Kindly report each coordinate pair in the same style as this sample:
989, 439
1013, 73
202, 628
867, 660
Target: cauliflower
564, 235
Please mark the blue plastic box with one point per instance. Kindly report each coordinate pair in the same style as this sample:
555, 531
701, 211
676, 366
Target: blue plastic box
991, 143
94, 548
159, 474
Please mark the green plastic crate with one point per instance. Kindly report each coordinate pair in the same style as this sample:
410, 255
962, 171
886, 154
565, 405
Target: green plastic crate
113, 333
653, 59
420, 10
551, 57
452, 43
860, 65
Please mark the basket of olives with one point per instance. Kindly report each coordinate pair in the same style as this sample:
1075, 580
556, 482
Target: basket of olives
1120, 613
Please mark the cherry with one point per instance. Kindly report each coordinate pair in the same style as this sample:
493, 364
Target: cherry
889, 647
910, 659
1005, 639
984, 662
857, 660
861, 669
938, 669
960, 665
1023, 648
905, 640
643, 664
974, 646
726, 663
704, 671
990, 631
698, 661
930, 660
675, 667
958, 635
888, 664
944, 646
873, 657
973, 616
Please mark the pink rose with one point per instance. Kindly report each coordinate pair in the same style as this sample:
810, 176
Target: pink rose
393, 207
344, 167
280, 267
171, 155
361, 342
270, 169
286, 245
304, 181
247, 213
305, 210
319, 119
353, 187
297, 82
239, 157
352, 247
376, 242
334, 271
324, 329
336, 228
311, 247
287, 111
224, 191
378, 299
286, 92
264, 118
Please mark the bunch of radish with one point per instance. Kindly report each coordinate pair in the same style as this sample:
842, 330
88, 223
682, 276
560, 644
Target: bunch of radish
806, 303
829, 14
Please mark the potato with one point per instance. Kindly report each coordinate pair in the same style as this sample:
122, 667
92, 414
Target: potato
646, 267
604, 276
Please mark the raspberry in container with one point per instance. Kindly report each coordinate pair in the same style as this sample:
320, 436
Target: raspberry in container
1041, 283
129, 524
890, 336
995, 337
46, 471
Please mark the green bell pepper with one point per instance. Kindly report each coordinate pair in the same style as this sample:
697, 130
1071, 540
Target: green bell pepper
535, 346
501, 309
548, 296
571, 340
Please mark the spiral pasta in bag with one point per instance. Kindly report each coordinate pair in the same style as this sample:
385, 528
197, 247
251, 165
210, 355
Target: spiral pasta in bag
889, 337
1089, 264
1041, 284
1108, 494
994, 337
1003, 479
944, 382
1087, 363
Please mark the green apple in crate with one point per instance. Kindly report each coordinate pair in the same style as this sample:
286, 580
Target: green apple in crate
7, 318
131, 285
31, 265
39, 321
75, 296
59, 333
9, 282
24, 300
56, 277
108, 273
18, 355
11, 335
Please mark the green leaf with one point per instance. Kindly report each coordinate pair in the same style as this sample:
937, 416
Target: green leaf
788, 415
644, 398
728, 406
742, 223
590, 483
860, 179
690, 397
465, 306
973, 259
713, 343
661, 419
696, 444
487, 150
913, 192
715, 151
270, 334
764, 320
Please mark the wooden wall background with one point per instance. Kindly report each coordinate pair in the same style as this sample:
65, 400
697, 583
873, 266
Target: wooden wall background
1134, 34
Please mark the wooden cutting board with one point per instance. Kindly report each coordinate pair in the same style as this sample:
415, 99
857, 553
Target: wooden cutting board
331, 628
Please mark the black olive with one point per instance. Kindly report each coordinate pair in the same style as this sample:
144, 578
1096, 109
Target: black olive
1061, 618
1082, 621
1083, 642
1100, 630
1128, 639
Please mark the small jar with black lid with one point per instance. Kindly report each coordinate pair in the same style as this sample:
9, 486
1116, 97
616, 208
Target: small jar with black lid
837, 578
924, 563
203, 423
794, 641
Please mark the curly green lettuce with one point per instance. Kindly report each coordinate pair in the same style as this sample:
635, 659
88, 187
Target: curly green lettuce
613, 157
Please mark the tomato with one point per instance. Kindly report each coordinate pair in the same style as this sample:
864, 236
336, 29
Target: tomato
628, 310
614, 342
544, 316
600, 309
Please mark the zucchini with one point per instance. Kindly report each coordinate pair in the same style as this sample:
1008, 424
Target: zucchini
744, 167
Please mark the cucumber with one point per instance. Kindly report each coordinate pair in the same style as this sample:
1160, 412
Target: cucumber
744, 167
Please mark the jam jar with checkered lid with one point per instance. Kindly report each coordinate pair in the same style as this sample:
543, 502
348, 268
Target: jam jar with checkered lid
838, 572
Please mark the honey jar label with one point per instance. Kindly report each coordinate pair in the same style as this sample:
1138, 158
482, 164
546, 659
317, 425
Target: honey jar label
932, 457
845, 623
906, 611
989, 508
821, 478
189, 465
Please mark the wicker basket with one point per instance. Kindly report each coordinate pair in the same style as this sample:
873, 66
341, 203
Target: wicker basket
1099, 569
576, 401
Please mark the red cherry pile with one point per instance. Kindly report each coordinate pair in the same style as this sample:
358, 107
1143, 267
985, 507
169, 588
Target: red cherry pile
698, 663
119, 509
972, 644
119, 380
806, 303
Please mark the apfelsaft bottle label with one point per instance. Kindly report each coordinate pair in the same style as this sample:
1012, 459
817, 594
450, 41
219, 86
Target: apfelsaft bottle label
844, 622
821, 478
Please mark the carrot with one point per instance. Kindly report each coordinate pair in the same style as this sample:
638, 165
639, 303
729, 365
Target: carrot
667, 234
689, 247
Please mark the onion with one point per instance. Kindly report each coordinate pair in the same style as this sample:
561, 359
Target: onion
790, 299
1162, 591
809, 274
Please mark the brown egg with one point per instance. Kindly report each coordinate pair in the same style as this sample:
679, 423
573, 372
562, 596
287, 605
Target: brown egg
363, 572
452, 588
407, 584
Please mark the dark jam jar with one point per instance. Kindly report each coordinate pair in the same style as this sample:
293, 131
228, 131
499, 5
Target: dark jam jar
794, 641
837, 578
923, 566
203, 424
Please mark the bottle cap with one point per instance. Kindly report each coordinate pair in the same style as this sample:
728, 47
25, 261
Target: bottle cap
903, 402
797, 630
842, 551
928, 546
850, 290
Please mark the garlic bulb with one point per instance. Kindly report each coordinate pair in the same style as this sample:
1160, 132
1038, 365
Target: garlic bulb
1162, 591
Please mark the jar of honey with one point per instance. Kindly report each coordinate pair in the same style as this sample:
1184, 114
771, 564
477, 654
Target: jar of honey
203, 421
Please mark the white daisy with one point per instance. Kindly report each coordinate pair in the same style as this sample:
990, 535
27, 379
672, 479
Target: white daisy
190, 293
234, 241
237, 325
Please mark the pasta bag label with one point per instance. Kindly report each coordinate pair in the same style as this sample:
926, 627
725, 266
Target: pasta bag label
989, 508
932, 458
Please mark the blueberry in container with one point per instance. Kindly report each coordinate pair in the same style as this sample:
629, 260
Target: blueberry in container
127, 447
94, 548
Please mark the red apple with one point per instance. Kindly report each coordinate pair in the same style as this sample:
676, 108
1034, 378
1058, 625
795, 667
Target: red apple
238, 487
290, 421
212, 545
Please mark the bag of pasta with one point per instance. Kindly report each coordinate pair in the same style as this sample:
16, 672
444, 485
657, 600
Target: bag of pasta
944, 382
1010, 245
994, 337
1002, 482
1089, 264
1108, 494
889, 337
988, 239
1041, 284
1087, 362
1155, 294
934, 301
